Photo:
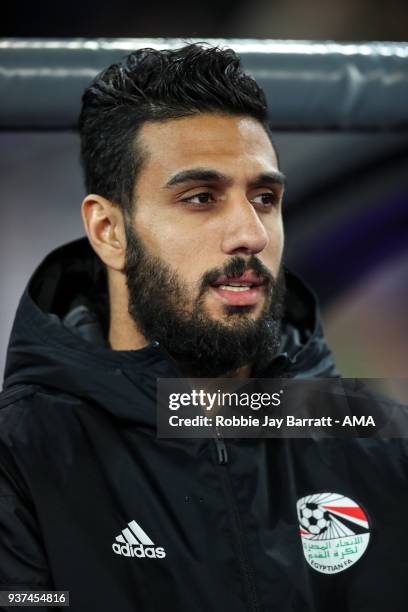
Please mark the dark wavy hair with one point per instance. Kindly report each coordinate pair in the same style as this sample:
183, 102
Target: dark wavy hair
152, 85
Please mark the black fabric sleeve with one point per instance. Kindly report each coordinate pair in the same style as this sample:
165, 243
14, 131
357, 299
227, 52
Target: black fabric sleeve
23, 562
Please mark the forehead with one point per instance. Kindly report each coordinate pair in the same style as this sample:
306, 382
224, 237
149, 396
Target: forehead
225, 143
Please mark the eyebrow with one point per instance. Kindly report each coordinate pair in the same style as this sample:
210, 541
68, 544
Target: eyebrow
213, 176
276, 177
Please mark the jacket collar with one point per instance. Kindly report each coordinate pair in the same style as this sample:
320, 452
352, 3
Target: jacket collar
57, 338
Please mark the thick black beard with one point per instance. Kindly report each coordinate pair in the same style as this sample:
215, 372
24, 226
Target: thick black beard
203, 347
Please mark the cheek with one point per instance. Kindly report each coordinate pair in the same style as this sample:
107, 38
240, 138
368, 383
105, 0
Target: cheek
189, 250
272, 255
158, 237
281, 239
184, 252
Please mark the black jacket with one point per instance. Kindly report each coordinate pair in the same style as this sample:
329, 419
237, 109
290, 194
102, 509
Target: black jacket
91, 501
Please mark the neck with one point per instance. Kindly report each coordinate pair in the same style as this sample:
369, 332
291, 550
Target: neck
123, 333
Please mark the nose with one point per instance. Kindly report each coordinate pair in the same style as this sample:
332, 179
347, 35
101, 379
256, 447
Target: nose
244, 231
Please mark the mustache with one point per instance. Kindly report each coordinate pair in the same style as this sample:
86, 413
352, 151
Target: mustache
236, 267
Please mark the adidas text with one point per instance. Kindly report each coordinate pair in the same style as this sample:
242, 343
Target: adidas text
126, 550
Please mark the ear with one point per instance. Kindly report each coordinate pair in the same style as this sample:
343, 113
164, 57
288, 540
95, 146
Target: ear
104, 226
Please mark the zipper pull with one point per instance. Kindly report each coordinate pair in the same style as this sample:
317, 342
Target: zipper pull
222, 454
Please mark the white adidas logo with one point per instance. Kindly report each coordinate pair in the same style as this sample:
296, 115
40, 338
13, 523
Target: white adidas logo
134, 542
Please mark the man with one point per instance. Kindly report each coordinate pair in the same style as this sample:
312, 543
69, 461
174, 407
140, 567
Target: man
181, 275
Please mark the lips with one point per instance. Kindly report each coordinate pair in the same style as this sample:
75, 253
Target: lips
248, 279
244, 290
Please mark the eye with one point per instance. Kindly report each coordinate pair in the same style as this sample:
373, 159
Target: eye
199, 199
268, 199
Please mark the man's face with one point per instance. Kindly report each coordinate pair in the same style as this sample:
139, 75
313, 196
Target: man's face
205, 239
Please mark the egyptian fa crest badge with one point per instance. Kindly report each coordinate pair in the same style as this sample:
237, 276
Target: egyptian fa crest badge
334, 531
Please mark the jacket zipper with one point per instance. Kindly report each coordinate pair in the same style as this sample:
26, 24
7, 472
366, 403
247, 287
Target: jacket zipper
243, 558
222, 459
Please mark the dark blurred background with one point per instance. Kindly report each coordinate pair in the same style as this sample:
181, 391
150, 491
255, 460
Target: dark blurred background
341, 20
346, 208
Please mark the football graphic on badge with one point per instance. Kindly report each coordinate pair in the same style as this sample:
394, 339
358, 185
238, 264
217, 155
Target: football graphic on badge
334, 531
